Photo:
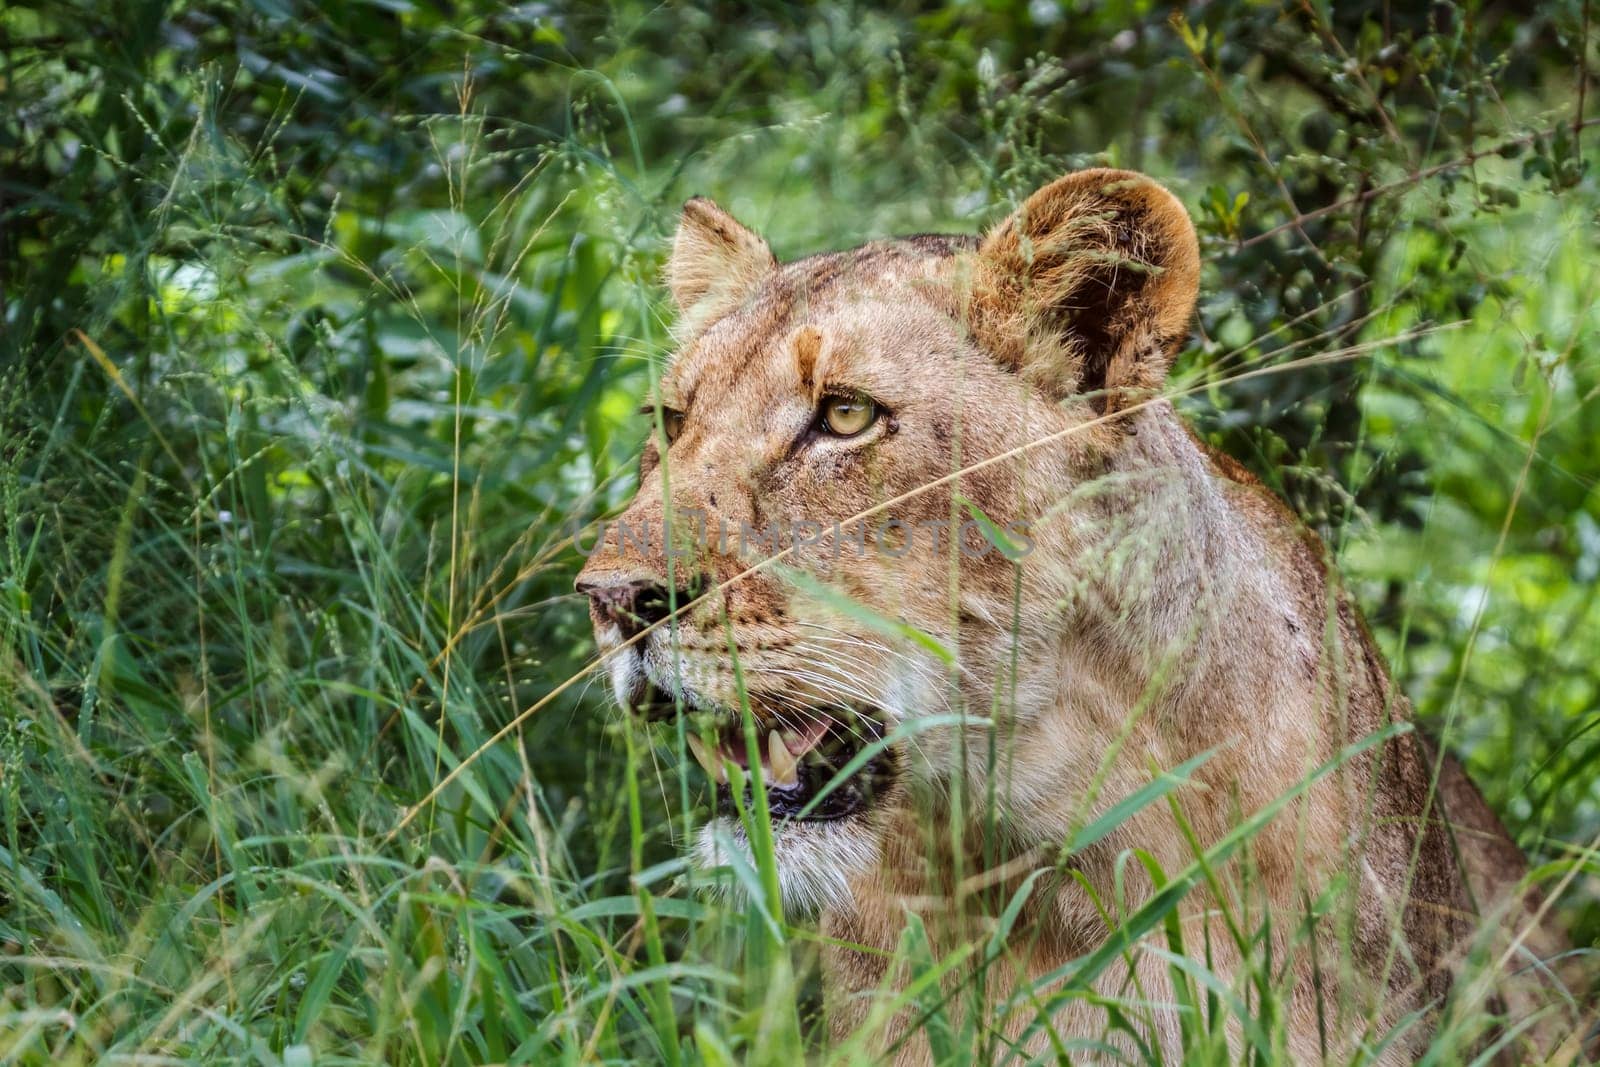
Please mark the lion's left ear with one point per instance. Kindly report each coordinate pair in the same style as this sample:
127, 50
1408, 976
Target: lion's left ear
1089, 287
716, 261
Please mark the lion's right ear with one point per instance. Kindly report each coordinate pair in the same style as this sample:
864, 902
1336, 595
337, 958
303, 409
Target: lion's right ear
716, 261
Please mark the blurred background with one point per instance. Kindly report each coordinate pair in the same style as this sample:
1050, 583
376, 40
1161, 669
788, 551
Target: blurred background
322, 322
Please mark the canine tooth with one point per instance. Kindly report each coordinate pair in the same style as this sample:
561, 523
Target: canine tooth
781, 761
707, 760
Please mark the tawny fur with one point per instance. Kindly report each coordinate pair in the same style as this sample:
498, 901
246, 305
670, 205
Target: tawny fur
1171, 605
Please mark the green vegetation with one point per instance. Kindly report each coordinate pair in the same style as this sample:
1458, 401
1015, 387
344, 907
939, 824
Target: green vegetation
323, 322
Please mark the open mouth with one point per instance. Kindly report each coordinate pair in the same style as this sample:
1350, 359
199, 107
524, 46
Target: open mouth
803, 762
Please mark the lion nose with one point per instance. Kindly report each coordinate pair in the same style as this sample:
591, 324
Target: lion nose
633, 604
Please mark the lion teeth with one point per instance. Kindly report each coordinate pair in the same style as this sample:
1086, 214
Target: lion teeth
708, 761
781, 761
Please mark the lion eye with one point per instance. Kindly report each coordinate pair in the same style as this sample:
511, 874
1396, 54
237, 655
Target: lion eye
848, 416
671, 421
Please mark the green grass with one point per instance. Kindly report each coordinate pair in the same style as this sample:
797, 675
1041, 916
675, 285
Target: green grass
320, 330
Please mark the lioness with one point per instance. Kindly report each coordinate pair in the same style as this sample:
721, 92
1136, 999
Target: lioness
972, 437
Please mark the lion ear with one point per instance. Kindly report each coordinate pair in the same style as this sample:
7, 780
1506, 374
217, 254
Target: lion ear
716, 261
1089, 287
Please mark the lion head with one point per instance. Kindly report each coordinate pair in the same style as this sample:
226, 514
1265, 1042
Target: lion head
850, 517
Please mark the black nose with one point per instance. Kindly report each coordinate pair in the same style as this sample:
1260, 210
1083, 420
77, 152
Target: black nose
636, 603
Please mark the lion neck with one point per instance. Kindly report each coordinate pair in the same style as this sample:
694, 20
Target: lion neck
1201, 631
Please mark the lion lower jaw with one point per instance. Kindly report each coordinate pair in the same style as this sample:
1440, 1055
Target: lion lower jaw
816, 862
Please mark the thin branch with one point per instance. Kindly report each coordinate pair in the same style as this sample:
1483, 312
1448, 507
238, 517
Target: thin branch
1411, 179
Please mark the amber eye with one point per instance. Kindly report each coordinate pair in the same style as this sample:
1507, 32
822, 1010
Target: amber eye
848, 416
671, 423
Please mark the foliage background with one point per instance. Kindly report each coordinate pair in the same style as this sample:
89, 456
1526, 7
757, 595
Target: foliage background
322, 321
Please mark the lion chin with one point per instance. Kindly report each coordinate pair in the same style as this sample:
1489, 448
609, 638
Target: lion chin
816, 861
920, 543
